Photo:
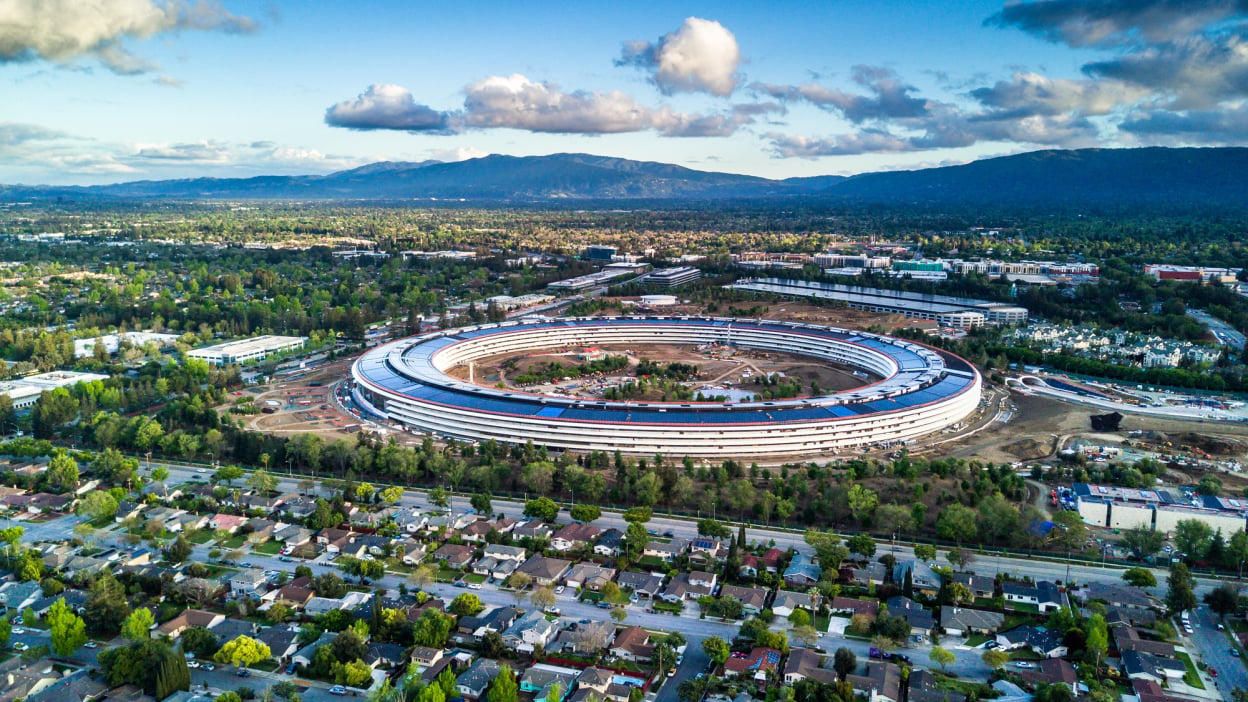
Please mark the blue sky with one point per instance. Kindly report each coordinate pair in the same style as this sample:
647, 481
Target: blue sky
111, 90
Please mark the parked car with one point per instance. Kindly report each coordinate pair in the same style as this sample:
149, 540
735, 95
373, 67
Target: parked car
337, 690
1234, 651
1024, 664
559, 590
192, 664
19, 646
474, 586
460, 583
91, 644
17, 630
243, 673
208, 667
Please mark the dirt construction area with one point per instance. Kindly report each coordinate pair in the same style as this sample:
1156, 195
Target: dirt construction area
303, 403
719, 369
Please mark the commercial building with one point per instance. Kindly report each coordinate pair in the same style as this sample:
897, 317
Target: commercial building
1158, 510
908, 304
601, 254
244, 350
922, 391
25, 392
1195, 274
84, 348
673, 277
610, 273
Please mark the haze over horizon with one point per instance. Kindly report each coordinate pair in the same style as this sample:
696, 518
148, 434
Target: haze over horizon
102, 91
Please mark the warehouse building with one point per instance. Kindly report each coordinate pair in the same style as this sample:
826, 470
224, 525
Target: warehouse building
1159, 510
673, 277
25, 392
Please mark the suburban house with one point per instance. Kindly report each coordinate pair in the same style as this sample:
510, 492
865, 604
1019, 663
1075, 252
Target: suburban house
802, 571
1127, 638
588, 576
806, 663
1044, 595
632, 644
1053, 671
979, 585
918, 617
187, 619
475, 680
226, 522
1042, 641
544, 571
280, 640
787, 602
666, 552
248, 582
959, 621
922, 578
574, 537
454, 555
683, 587
753, 599
644, 584
531, 630
1145, 666
756, 664
1117, 595
882, 682
610, 543
411, 552
852, 606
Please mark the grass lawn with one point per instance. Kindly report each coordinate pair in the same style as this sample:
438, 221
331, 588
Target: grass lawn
270, 548
1025, 654
267, 666
201, 537
474, 578
1013, 620
653, 562
1023, 607
235, 542
977, 639
446, 575
1191, 677
664, 606
591, 596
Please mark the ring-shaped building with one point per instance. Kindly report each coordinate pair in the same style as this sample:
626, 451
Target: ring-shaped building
921, 390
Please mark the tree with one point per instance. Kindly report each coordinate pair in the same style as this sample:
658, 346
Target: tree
542, 508
1142, 541
1096, 642
227, 474
492, 645
1209, 485
585, 513
1191, 538
1180, 595
713, 528
355, 673
1071, 531
942, 657
68, 631
543, 597
861, 544
200, 641
1224, 599
844, 662
613, 594
432, 628
637, 515
138, 625
925, 552
467, 604
635, 539
504, 687
995, 658
960, 557
391, 495
799, 617
862, 501
716, 649
63, 471
262, 481
827, 548
278, 613
1139, 577
957, 523
97, 505
179, 550
107, 605
482, 503
243, 652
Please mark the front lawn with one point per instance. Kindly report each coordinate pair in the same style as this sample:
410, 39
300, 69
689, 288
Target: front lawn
665, 606
1191, 677
976, 639
269, 548
474, 578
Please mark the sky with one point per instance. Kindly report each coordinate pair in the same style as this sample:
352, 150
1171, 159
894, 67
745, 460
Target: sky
101, 91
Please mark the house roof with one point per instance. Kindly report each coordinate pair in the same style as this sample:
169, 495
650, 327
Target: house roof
759, 658
545, 568
870, 608
961, 618
755, 597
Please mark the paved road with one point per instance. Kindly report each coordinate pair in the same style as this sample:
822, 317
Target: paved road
1214, 648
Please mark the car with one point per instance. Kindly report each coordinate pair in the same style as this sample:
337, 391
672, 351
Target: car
460, 583
875, 653
553, 611
1235, 652
208, 667
188, 655
899, 657
245, 564
604, 605
559, 590
19, 646
243, 673
699, 676
200, 470
1221, 628
668, 535
192, 664
634, 598
286, 559
337, 690
91, 644
474, 586
290, 669
671, 672
1025, 665
17, 630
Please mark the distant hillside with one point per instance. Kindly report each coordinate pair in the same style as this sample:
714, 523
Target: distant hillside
1214, 177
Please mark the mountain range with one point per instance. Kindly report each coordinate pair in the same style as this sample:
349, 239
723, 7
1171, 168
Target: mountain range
1214, 177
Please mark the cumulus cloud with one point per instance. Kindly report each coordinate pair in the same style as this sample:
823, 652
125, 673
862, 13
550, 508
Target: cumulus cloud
865, 141
198, 151
16, 133
462, 153
386, 106
1194, 73
1223, 126
889, 98
62, 31
518, 102
701, 56
1111, 22
1029, 94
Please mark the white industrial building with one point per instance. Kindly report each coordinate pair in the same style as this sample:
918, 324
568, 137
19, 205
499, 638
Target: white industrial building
1160, 510
25, 392
907, 304
84, 348
673, 277
244, 350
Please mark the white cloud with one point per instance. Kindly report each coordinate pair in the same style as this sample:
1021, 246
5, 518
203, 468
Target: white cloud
700, 56
386, 106
458, 154
64, 30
